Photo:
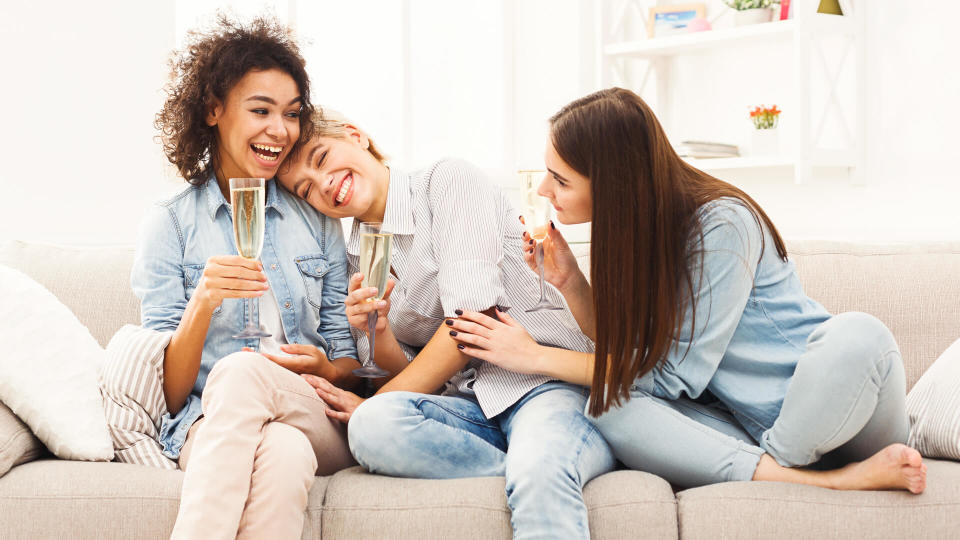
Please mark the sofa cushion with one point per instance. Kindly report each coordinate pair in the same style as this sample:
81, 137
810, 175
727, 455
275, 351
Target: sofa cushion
17, 443
934, 407
778, 510
80, 500
361, 505
94, 282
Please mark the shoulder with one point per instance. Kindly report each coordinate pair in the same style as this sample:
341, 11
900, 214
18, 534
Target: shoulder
730, 223
454, 173
165, 218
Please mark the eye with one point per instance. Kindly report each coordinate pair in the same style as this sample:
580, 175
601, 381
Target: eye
261, 112
559, 181
293, 114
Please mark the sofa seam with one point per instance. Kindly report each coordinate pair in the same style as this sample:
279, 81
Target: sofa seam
821, 503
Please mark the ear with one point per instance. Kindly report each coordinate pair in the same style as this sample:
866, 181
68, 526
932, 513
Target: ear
357, 136
214, 111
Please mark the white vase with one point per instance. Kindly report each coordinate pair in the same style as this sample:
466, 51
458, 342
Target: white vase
766, 142
752, 16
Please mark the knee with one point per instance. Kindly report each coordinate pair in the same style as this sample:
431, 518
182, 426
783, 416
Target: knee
236, 367
285, 452
866, 343
372, 427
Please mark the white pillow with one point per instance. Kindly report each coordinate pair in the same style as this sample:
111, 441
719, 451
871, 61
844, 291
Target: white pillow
48, 370
933, 405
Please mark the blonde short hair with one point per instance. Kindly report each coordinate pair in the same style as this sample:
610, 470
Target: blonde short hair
330, 123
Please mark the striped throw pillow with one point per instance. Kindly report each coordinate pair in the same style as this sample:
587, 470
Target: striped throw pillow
933, 405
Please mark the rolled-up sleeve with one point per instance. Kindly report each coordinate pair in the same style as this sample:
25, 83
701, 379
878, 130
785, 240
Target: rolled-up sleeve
334, 327
722, 283
157, 275
467, 228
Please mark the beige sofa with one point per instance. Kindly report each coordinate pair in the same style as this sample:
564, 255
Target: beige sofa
914, 289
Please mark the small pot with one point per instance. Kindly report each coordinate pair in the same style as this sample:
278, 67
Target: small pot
752, 16
765, 142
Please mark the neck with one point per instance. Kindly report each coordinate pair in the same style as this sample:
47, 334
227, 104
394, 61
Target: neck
379, 207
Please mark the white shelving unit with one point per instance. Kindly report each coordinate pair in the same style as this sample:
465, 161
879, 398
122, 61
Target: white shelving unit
618, 46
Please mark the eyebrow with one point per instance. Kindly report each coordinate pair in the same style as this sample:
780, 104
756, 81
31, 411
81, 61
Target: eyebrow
312, 152
555, 173
272, 101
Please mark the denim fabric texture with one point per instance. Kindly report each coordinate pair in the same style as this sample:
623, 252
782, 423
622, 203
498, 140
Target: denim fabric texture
303, 256
544, 445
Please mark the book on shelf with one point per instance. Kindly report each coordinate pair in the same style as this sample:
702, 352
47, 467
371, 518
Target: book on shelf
706, 149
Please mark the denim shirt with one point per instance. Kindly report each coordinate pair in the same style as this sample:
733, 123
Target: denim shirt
303, 256
753, 320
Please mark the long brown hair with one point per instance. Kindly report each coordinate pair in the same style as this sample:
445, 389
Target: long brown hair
645, 228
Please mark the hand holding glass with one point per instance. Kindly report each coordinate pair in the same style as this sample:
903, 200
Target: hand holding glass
375, 250
247, 198
536, 216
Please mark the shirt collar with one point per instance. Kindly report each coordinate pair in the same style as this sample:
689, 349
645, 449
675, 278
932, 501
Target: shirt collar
397, 216
215, 199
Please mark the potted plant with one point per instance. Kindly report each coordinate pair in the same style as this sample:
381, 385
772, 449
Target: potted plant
765, 139
751, 11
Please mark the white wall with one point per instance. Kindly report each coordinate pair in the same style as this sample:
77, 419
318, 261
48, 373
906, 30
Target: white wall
82, 85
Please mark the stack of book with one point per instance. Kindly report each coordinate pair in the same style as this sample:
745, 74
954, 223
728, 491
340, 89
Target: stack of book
701, 149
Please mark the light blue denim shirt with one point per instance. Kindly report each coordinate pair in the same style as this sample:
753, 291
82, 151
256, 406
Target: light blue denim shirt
303, 256
752, 318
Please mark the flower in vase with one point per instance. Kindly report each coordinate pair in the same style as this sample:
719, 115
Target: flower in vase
765, 117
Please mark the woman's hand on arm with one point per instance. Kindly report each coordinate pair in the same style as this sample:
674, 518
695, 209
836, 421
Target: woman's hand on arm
226, 276
306, 359
505, 343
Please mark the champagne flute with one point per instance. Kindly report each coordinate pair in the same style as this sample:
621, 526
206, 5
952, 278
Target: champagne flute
376, 247
536, 217
247, 198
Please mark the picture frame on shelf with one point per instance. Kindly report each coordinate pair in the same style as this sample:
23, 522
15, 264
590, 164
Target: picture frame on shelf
672, 20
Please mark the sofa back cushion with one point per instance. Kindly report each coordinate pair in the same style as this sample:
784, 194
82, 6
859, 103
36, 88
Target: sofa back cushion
94, 282
914, 289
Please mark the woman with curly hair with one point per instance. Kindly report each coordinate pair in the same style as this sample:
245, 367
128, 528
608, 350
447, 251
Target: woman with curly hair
248, 430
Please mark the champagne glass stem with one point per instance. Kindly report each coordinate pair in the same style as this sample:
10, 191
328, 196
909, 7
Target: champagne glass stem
372, 329
540, 267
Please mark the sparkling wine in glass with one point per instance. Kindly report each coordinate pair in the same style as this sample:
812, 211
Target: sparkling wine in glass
536, 217
247, 198
375, 251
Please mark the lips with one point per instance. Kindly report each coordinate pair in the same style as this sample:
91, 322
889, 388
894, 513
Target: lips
267, 153
345, 191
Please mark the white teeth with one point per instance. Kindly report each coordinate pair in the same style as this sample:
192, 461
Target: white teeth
267, 147
344, 189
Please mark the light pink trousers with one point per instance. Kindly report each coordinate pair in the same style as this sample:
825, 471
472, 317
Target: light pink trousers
253, 456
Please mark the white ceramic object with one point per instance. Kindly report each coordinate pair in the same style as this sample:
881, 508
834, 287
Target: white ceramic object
765, 142
752, 16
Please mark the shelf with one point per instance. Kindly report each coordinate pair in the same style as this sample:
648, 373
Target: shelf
683, 43
717, 164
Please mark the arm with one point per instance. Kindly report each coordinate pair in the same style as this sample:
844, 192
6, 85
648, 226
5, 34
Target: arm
334, 327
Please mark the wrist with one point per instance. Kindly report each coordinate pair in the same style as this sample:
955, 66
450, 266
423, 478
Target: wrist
574, 285
539, 356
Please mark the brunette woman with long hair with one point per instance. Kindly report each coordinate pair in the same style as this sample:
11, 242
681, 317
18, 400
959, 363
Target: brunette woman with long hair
711, 364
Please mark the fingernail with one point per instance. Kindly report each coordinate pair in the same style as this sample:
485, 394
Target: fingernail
460, 346
453, 332
381, 304
531, 241
449, 322
552, 226
458, 311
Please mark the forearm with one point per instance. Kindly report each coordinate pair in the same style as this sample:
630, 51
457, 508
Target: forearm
181, 360
579, 296
342, 372
435, 364
570, 366
389, 355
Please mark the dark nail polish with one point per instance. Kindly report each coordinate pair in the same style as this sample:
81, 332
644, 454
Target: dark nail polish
460, 346
449, 322
453, 332
458, 311
552, 226
531, 241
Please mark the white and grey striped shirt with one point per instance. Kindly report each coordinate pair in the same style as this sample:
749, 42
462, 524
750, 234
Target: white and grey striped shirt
457, 245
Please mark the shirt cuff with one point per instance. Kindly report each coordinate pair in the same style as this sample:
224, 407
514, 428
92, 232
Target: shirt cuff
471, 285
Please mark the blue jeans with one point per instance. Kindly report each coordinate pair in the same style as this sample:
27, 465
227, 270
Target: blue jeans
845, 402
544, 445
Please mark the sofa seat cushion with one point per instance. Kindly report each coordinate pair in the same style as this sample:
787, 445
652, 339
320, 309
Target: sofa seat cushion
80, 500
362, 505
778, 510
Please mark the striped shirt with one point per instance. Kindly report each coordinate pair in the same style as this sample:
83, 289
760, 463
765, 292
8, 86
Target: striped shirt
458, 245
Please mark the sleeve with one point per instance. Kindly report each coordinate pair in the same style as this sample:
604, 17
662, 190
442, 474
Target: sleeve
157, 275
467, 230
334, 326
722, 283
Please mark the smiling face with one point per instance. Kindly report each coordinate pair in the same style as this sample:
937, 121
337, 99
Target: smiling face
257, 124
339, 177
568, 190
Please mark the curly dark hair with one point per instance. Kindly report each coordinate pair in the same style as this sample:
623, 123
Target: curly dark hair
211, 63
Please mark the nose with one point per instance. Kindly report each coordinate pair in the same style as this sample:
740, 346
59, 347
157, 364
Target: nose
276, 128
543, 189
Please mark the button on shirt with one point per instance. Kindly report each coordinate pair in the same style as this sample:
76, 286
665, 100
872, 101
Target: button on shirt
304, 259
458, 245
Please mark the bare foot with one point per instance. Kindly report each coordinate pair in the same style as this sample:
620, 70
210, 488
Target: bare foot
895, 467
